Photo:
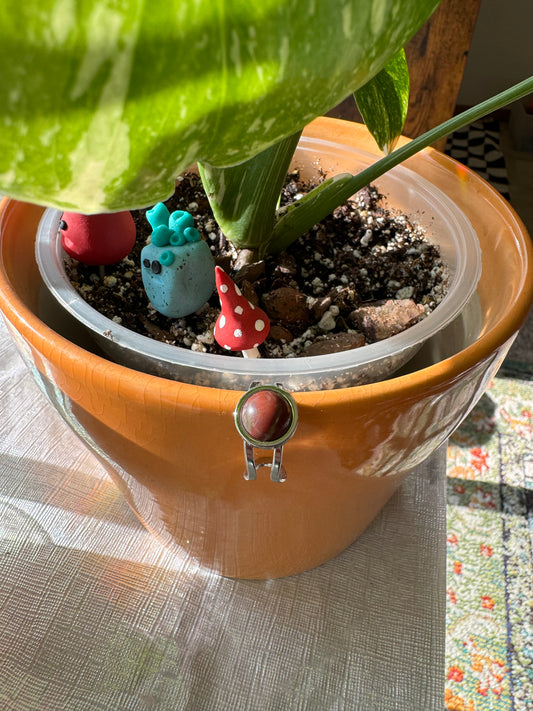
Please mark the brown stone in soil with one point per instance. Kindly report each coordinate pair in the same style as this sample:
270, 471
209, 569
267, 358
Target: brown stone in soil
279, 333
335, 343
286, 304
386, 319
320, 306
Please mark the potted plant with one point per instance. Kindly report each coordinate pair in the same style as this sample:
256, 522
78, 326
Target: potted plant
133, 99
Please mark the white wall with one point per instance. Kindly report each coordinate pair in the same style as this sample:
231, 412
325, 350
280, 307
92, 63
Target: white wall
501, 52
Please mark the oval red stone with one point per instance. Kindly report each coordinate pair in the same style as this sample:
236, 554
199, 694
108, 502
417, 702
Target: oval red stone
266, 416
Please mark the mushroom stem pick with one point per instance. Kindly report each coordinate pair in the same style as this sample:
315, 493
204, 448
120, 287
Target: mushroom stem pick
251, 353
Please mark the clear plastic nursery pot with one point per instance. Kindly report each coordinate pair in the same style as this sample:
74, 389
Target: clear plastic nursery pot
173, 447
404, 190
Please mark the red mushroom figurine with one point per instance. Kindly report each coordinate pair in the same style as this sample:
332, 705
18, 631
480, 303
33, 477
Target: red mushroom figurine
240, 326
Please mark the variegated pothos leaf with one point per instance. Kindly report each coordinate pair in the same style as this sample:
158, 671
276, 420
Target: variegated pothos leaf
384, 100
104, 102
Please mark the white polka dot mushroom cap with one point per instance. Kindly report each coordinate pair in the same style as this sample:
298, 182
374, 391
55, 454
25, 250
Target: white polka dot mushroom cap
240, 325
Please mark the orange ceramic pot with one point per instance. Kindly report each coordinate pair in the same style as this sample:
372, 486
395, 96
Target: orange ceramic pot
173, 448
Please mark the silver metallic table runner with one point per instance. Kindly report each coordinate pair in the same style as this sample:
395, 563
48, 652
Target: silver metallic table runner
95, 614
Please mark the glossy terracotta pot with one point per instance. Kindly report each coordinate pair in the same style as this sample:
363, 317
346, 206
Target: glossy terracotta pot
175, 452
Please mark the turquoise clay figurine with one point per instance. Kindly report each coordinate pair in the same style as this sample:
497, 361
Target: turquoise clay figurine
177, 267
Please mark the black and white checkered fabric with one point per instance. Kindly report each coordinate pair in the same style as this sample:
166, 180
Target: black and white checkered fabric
478, 147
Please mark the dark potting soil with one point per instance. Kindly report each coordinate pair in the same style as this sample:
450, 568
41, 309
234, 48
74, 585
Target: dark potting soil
361, 275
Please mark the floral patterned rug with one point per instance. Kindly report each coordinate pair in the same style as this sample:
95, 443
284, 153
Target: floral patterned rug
489, 642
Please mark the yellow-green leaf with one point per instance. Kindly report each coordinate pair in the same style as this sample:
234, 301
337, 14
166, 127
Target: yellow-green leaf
383, 102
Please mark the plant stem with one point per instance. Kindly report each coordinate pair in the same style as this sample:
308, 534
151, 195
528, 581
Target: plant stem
244, 197
300, 216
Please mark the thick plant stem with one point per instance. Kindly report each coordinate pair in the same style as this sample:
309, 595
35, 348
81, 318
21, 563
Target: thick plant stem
299, 217
244, 197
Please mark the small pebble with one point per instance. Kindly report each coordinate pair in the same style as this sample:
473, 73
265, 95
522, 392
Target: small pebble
405, 293
365, 240
327, 322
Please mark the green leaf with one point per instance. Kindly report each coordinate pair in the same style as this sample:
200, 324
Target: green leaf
384, 100
104, 102
244, 197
